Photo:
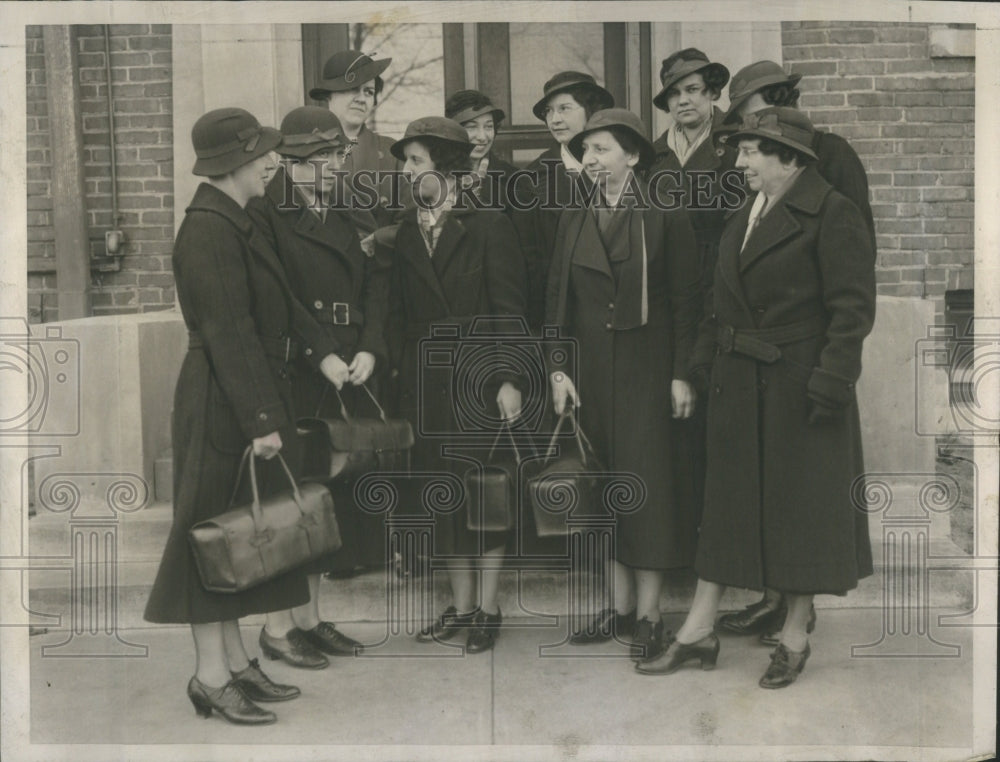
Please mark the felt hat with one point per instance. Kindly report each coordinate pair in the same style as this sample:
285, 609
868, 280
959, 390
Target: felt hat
619, 118
348, 70
227, 138
567, 80
787, 126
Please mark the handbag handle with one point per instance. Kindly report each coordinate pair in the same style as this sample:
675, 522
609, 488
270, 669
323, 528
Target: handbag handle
255, 509
580, 437
343, 407
505, 425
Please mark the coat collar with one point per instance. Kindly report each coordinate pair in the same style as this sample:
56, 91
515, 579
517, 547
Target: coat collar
708, 155
208, 198
805, 196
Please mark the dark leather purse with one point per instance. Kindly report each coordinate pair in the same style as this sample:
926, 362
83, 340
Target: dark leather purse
491, 490
253, 543
564, 485
349, 446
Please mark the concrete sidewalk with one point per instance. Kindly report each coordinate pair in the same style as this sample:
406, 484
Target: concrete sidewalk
523, 694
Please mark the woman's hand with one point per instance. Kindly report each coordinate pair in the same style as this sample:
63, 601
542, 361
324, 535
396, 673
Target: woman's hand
361, 368
509, 401
563, 389
682, 398
335, 370
267, 446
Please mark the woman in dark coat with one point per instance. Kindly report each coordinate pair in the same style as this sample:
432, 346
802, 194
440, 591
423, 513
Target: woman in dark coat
624, 284
758, 86
569, 99
452, 266
346, 294
793, 300
481, 119
690, 157
232, 392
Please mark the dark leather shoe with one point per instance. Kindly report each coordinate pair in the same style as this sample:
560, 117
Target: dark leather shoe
785, 667
292, 649
257, 686
327, 638
228, 701
705, 650
772, 635
648, 641
757, 617
606, 625
447, 625
484, 632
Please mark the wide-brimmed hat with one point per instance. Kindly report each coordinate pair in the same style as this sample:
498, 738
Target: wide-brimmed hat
434, 128
567, 80
787, 126
308, 129
464, 115
227, 138
348, 70
622, 119
682, 64
753, 78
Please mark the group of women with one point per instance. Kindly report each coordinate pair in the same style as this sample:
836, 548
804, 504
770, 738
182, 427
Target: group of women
718, 348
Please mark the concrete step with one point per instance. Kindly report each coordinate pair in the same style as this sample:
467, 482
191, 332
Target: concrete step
122, 584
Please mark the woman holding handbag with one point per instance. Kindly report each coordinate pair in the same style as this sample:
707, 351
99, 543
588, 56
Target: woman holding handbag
452, 265
624, 284
232, 392
345, 293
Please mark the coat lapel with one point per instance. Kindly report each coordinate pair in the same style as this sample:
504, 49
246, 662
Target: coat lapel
451, 235
585, 246
411, 248
729, 252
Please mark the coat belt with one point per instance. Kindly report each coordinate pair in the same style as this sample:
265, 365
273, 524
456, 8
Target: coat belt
764, 343
340, 313
284, 349
422, 328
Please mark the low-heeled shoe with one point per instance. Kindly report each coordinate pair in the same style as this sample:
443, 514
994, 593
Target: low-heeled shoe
229, 701
292, 649
785, 666
607, 624
772, 635
648, 640
327, 638
257, 686
705, 650
755, 618
448, 625
484, 632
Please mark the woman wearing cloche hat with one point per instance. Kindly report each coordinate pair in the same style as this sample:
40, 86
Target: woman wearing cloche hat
232, 392
754, 87
454, 265
793, 300
624, 284
345, 292
568, 100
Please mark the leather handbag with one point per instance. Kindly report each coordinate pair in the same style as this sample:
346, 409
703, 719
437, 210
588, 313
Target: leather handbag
253, 543
491, 493
563, 485
349, 446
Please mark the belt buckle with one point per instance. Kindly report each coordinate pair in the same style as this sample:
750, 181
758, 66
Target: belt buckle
341, 308
727, 339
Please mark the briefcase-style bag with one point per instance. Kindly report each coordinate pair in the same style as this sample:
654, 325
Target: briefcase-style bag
350, 446
563, 484
253, 543
491, 490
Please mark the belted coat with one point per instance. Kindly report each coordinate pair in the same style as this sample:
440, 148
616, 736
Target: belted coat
780, 491
345, 292
233, 387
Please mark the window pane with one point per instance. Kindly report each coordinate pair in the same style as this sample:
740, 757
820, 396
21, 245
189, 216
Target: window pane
414, 81
537, 51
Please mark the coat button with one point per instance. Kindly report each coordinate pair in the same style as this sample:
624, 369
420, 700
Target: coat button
608, 326
384, 200
308, 352
318, 304
611, 305
262, 416
718, 390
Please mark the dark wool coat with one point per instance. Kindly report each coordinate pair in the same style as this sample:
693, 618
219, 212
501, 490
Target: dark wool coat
333, 280
840, 166
626, 368
372, 152
477, 270
778, 500
233, 387
553, 189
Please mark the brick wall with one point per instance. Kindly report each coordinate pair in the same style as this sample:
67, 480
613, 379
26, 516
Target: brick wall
141, 90
910, 118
